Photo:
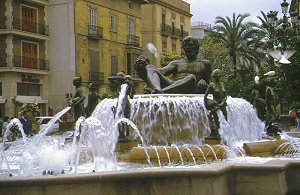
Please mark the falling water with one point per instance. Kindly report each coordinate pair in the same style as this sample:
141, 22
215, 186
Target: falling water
180, 155
167, 153
242, 123
191, 153
49, 127
201, 151
157, 155
212, 150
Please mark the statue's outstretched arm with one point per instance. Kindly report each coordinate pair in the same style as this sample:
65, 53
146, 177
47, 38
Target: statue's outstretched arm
169, 69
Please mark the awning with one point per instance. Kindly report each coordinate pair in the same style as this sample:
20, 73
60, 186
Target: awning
2, 101
30, 99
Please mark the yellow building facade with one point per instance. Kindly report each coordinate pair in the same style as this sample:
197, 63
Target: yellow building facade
165, 23
108, 39
24, 59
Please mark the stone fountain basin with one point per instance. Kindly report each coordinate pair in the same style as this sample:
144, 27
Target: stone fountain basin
272, 177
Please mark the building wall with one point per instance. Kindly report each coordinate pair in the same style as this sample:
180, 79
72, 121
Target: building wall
199, 29
111, 43
174, 10
11, 71
61, 52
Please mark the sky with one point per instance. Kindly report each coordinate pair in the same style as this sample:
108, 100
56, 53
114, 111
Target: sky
207, 10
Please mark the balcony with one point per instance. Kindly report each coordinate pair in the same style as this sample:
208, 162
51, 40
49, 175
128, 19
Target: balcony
165, 29
23, 27
33, 27
95, 32
30, 63
96, 76
133, 40
175, 32
38, 2
184, 33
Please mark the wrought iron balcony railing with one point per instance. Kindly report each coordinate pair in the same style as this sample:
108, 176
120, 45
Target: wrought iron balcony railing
165, 29
95, 32
133, 40
28, 26
24, 25
184, 33
96, 76
31, 63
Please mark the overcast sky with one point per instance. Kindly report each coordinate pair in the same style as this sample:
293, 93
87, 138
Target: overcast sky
207, 10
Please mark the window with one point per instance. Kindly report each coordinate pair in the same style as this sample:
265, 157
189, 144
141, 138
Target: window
173, 45
129, 68
113, 23
29, 19
131, 31
27, 89
163, 22
181, 30
0, 89
163, 19
173, 27
164, 43
114, 65
94, 65
130, 4
93, 17
29, 55
131, 27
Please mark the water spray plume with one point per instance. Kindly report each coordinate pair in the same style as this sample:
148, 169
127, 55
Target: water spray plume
151, 47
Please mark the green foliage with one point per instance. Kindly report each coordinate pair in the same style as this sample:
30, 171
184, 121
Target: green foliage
238, 37
33, 108
169, 56
282, 36
215, 52
106, 95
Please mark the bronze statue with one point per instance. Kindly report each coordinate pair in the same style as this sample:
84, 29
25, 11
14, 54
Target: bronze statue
188, 75
258, 102
116, 81
218, 102
271, 115
92, 99
77, 101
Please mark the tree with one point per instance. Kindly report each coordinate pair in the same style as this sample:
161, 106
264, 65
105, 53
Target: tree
214, 52
239, 38
169, 56
282, 36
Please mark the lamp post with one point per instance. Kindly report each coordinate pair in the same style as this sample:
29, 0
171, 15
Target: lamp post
284, 26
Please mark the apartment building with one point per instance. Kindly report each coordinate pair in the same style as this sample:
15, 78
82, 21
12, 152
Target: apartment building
165, 23
200, 29
24, 64
108, 39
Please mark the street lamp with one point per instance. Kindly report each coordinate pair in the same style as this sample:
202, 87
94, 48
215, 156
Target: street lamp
285, 27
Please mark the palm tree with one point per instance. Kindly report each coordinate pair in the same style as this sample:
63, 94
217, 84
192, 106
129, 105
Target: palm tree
240, 39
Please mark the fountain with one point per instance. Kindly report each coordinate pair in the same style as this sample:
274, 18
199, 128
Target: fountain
160, 148
175, 147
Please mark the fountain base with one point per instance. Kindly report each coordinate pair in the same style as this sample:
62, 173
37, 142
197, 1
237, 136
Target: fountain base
199, 154
273, 177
